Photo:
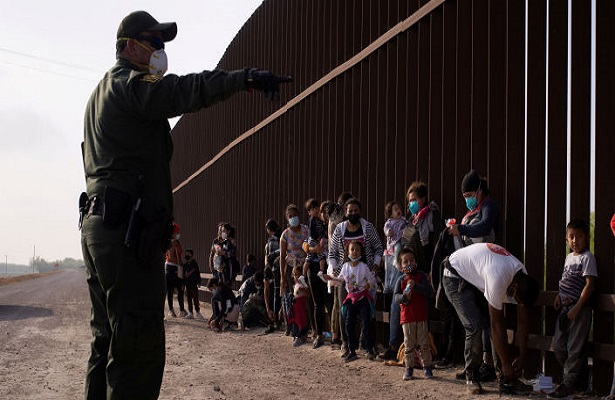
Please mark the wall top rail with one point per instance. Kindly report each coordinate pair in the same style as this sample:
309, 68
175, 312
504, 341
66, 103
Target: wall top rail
337, 71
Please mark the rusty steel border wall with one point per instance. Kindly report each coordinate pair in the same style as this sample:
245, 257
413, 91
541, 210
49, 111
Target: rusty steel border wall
386, 92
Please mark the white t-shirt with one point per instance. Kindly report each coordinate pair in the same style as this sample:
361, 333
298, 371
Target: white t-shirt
489, 267
356, 277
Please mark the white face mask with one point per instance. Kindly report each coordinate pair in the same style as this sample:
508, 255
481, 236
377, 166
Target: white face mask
293, 221
158, 63
177, 236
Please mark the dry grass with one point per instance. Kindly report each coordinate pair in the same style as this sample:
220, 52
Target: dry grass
20, 278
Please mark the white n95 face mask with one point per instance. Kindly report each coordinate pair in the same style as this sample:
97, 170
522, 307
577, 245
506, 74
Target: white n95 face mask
158, 63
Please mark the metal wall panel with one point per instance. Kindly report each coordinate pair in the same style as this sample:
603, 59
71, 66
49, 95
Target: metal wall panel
605, 178
448, 187
370, 111
580, 97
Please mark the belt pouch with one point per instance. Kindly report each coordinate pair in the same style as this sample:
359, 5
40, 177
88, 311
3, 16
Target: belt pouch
117, 206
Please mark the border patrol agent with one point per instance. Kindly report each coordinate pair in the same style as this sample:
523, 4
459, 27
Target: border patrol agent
127, 210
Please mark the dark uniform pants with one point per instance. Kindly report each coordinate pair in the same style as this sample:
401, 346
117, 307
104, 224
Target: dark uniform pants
128, 349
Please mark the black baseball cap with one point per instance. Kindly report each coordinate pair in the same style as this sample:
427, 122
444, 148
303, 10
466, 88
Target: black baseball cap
139, 21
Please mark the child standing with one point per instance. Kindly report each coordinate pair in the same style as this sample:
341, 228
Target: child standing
359, 280
572, 301
393, 229
298, 319
315, 264
411, 292
192, 281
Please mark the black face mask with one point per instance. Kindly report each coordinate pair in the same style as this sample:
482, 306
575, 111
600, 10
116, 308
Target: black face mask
354, 218
187, 258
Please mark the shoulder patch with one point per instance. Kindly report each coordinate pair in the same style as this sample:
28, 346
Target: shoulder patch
151, 78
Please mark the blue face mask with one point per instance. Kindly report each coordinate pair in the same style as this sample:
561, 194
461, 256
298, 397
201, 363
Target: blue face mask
354, 258
413, 207
471, 203
294, 221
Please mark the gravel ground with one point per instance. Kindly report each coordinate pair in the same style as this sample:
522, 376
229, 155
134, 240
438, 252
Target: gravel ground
45, 339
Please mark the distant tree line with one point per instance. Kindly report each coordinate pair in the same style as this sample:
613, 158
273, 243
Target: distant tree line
39, 264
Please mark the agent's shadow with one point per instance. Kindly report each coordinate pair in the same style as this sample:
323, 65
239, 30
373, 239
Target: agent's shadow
16, 312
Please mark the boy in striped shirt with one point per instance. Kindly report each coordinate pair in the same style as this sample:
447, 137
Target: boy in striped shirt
572, 301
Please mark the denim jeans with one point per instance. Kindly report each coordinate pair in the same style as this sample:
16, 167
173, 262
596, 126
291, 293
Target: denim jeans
396, 334
464, 298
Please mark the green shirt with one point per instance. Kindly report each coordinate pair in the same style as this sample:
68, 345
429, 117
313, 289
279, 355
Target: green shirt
127, 133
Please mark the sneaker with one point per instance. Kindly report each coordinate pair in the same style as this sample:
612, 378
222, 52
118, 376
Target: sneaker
344, 353
443, 364
182, 313
428, 373
189, 315
317, 342
560, 392
487, 373
515, 387
389, 354
172, 313
199, 315
461, 375
408, 374
370, 355
473, 387
297, 342
270, 329
350, 357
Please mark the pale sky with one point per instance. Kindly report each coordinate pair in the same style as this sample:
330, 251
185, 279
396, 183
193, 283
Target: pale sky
52, 55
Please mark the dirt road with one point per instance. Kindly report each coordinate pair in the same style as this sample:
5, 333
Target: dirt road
44, 346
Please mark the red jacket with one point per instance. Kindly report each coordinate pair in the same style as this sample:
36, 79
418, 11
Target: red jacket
415, 309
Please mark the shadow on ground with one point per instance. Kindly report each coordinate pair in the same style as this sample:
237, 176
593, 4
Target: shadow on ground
16, 312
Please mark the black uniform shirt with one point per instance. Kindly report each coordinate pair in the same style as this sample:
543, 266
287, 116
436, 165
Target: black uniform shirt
127, 133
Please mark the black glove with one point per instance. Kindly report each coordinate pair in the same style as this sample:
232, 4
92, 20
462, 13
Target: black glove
265, 82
